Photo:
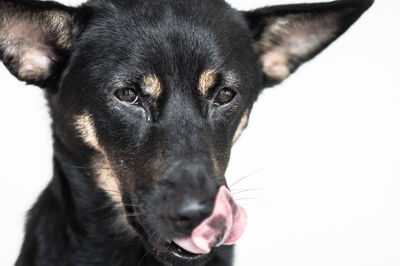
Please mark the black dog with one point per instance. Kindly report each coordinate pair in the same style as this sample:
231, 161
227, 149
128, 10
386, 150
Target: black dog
147, 98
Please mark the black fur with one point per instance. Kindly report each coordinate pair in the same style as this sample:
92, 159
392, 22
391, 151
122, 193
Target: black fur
163, 151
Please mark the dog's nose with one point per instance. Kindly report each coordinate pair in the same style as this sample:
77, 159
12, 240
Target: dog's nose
186, 214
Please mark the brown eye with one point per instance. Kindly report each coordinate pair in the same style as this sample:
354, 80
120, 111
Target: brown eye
224, 96
127, 95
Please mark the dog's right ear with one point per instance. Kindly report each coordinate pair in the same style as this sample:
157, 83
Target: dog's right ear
35, 38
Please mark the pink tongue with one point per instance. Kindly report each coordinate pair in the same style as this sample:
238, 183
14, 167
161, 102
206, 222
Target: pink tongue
224, 227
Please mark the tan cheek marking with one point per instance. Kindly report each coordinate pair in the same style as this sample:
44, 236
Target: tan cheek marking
219, 161
104, 174
206, 81
218, 168
84, 126
152, 85
107, 181
106, 178
242, 125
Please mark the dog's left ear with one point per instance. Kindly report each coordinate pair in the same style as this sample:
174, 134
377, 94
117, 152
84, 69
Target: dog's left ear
35, 38
289, 35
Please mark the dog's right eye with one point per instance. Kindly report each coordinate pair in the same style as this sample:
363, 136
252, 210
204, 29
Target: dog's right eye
127, 95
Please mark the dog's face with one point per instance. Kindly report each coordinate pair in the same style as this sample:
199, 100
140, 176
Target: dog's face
151, 95
162, 105
165, 96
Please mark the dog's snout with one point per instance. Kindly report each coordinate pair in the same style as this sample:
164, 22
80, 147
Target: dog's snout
185, 213
185, 196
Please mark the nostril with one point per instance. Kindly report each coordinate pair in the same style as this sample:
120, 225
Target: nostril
189, 213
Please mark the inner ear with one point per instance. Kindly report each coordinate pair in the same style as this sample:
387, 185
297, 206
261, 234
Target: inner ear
30, 55
34, 38
293, 39
287, 36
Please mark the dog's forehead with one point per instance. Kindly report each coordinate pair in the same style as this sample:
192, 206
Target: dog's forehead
154, 37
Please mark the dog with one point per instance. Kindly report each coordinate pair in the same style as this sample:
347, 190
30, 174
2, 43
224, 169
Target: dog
147, 98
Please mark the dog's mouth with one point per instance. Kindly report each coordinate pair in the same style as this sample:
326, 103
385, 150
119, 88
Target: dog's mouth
167, 251
223, 227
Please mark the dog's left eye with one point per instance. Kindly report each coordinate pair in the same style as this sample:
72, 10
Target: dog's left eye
224, 96
127, 95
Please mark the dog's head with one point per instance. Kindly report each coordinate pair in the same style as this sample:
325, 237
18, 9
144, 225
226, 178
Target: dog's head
152, 94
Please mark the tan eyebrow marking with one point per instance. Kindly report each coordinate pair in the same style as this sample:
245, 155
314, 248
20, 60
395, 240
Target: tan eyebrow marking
206, 81
242, 126
152, 85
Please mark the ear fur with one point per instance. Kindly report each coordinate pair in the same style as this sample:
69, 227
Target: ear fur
287, 36
35, 38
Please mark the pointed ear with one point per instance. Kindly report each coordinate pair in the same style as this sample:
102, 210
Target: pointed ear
35, 38
287, 36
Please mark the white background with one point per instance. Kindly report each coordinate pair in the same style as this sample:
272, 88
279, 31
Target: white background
325, 147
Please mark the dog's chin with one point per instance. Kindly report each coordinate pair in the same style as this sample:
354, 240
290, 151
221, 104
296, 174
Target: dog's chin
170, 254
167, 252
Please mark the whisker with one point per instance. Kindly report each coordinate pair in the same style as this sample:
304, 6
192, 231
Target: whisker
134, 214
87, 167
130, 205
239, 191
109, 205
144, 256
112, 191
246, 176
254, 199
